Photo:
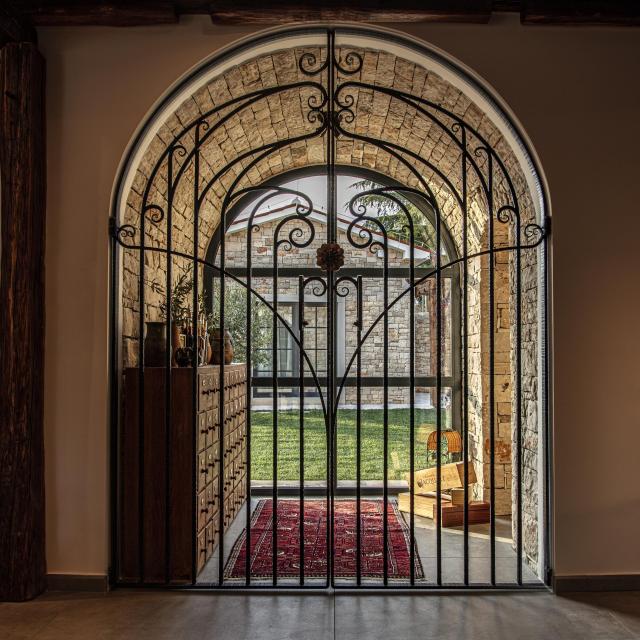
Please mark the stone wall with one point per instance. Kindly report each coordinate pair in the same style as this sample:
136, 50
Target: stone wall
497, 354
532, 437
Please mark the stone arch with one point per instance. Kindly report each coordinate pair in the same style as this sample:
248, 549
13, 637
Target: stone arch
424, 144
283, 115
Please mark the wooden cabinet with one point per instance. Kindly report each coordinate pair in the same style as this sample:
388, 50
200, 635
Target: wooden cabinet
172, 471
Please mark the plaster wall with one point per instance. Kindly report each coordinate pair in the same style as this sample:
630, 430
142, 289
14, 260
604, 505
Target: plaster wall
575, 92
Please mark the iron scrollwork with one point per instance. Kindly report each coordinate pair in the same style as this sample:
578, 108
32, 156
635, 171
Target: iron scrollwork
330, 77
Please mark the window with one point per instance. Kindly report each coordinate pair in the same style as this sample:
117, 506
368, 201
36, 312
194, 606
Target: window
315, 327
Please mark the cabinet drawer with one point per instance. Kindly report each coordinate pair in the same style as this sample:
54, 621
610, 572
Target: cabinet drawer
212, 463
203, 510
212, 428
205, 391
212, 506
239, 471
212, 538
228, 479
238, 499
202, 549
202, 431
228, 515
203, 471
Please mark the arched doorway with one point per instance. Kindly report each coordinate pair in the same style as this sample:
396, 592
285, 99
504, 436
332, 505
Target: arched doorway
325, 295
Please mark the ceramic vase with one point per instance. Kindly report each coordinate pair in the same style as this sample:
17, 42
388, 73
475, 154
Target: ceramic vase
215, 347
155, 344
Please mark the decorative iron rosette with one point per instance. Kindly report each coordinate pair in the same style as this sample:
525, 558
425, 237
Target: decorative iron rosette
330, 256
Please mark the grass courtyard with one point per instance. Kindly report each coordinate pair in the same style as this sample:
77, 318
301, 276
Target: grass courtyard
315, 443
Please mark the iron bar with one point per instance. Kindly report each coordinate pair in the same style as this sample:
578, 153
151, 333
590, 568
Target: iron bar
141, 390
331, 238
274, 391
492, 417
221, 402
412, 402
546, 387
116, 488
439, 399
194, 364
465, 356
301, 326
518, 268
385, 421
248, 387
359, 314
168, 381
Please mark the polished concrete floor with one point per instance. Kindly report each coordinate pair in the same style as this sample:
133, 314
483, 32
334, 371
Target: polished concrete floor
146, 615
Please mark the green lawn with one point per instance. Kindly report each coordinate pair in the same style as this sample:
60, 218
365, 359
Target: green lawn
315, 443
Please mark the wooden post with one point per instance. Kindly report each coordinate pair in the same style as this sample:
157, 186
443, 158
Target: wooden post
22, 243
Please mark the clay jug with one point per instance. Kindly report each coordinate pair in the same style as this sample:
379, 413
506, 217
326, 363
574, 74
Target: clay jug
215, 347
155, 344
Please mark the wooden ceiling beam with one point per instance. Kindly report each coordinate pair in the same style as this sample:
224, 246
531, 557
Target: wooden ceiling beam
585, 12
154, 12
14, 27
67, 13
278, 11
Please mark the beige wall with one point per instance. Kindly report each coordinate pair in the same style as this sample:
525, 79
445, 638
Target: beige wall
576, 93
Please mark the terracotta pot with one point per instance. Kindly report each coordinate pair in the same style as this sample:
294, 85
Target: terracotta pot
215, 347
155, 344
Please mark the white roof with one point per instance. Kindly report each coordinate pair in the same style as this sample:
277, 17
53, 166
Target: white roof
285, 207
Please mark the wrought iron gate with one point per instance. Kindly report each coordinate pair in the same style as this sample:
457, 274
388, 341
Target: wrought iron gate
331, 83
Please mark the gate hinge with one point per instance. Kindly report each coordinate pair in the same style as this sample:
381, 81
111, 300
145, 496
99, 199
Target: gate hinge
547, 226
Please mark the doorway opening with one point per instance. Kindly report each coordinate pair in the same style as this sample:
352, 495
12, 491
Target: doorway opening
329, 340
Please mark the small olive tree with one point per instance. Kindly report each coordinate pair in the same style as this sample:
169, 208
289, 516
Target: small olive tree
394, 220
235, 321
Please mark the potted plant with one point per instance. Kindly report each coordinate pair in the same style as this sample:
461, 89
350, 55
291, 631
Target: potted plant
155, 343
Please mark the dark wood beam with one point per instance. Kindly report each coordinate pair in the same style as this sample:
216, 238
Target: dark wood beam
22, 241
585, 12
279, 11
14, 27
67, 13
151, 12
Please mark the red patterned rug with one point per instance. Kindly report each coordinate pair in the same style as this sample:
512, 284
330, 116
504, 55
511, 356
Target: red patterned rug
315, 536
